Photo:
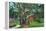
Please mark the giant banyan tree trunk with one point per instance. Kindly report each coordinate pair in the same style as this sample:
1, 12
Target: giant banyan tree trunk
23, 22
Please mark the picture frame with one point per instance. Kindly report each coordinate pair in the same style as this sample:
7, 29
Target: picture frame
7, 16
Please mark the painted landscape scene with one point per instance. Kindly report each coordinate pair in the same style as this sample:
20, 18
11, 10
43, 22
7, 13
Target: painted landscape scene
26, 15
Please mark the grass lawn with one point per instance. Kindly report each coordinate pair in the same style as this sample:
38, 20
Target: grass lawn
16, 23
36, 24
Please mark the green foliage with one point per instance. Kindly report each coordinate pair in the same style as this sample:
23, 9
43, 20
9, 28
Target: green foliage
36, 9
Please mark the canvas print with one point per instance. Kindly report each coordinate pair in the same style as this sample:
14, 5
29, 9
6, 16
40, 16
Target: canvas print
26, 15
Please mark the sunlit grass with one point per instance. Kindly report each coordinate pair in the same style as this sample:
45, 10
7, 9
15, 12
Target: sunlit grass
36, 24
